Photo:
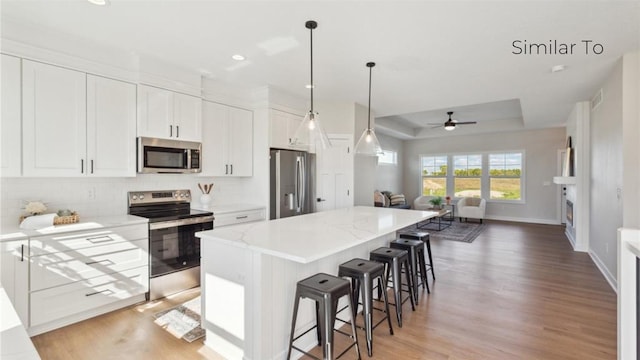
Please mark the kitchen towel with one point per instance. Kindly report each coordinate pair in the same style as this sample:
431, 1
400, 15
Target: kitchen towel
37, 221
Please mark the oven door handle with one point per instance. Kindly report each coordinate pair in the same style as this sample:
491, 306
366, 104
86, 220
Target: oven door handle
180, 222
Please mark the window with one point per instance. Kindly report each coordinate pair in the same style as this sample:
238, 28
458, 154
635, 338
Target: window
434, 175
467, 175
388, 157
505, 174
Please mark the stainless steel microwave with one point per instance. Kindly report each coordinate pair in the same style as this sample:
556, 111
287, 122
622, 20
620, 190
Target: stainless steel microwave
168, 156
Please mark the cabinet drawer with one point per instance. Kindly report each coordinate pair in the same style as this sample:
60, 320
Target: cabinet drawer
59, 302
238, 217
54, 269
80, 240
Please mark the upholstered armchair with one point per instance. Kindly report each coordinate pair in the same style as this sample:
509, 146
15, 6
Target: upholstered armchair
469, 207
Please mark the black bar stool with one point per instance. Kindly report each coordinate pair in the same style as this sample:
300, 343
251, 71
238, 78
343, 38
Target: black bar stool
325, 290
415, 248
424, 237
394, 259
363, 273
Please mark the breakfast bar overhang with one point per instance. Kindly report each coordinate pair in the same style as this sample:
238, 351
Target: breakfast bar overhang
249, 272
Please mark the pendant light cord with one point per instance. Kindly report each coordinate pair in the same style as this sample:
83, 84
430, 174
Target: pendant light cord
311, 25
370, 65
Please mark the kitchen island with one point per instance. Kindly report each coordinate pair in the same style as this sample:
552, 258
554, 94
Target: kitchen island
249, 273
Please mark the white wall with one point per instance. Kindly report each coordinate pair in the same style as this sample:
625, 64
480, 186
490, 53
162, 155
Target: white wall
630, 139
389, 176
92, 197
364, 177
541, 153
605, 213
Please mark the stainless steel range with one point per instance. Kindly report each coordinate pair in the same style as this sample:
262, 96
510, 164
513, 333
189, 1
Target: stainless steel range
174, 251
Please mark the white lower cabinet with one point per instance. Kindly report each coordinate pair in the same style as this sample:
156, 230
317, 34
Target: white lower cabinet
74, 276
14, 275
239, 217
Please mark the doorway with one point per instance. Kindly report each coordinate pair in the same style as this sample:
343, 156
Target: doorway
335, 174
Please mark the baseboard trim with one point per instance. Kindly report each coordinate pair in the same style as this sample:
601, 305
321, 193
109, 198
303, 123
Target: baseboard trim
605, 272
525, 220
570, 237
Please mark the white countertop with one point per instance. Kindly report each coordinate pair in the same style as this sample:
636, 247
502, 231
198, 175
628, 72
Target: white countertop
14, 341
632, 240
219, 209
310, 237
16, 233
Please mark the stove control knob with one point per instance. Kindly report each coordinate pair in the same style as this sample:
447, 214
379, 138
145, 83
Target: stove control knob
141, 197
134, 197
186, 195
181, 195
175, 195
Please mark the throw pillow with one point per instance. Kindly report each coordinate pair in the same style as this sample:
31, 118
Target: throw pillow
398, 199
378, 198
387, 198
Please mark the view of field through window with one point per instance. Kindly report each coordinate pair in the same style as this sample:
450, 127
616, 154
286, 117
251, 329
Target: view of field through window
504, 175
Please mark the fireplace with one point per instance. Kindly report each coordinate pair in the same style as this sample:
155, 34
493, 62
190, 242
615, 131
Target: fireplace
569, 212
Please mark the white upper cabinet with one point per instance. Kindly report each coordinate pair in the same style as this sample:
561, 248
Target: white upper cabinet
111, 127
54, 120
10, 162
227, 145
76, 124
282, 127
168, 115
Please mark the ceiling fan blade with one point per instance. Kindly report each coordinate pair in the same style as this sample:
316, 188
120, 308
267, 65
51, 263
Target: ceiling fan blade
466, 122
433, 124
436, 126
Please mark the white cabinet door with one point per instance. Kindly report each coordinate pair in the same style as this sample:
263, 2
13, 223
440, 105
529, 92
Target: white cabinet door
14, 274
10, 130
111, 127
155, 112
168, 115
54, 120
227, 140
187, 117
214, 139
282, 127
240, 142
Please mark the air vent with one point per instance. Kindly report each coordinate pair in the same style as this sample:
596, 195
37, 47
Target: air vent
596, 100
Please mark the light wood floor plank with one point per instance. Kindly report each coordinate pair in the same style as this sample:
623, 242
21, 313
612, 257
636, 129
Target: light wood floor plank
517, 292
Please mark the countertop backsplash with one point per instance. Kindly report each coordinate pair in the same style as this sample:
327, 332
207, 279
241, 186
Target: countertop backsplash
95, 197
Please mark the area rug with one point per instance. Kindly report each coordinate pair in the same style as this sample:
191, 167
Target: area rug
465, 231
182, 321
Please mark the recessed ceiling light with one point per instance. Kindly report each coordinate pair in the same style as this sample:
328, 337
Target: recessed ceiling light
238, 57
99, 2
558, 68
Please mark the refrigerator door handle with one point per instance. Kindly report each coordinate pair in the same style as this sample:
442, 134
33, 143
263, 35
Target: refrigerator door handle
303, 184
298, 185
277, 185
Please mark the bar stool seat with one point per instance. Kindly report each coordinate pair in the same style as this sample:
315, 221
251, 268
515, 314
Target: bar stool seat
394, 260
325, 290
415, 248
363, 273
424, 237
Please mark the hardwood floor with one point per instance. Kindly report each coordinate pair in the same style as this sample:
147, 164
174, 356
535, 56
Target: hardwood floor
517, 292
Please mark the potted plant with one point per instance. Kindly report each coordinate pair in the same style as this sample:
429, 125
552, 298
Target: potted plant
448, 198
436, 202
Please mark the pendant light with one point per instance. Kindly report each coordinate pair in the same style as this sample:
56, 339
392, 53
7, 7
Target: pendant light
368, 143
310, 131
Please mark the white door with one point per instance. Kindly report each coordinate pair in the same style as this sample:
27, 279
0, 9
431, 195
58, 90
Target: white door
187, 117
155, 112
54, 110
240, 142
111, 127
335, 174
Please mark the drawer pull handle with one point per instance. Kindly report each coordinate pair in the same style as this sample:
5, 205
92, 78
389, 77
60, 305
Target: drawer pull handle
163, 250
99, 292
99, 239
99, 261
242, 217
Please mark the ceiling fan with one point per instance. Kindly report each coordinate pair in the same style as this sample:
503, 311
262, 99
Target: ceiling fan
450, 124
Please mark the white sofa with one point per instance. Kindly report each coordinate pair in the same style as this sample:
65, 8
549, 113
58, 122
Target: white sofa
422, 203
469, 207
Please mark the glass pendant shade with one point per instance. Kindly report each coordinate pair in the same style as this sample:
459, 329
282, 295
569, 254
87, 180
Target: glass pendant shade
310, 132
368, 144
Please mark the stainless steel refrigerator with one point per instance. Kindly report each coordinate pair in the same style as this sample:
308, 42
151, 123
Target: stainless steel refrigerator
292, 183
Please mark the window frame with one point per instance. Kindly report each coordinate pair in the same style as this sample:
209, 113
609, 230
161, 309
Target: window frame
481, 177
485, 178
445, 176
